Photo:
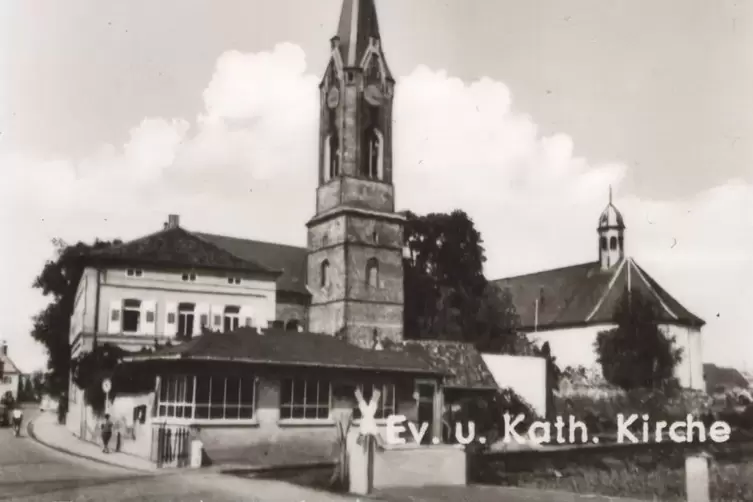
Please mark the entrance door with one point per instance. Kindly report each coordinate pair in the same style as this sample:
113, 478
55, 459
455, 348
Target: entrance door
425, 392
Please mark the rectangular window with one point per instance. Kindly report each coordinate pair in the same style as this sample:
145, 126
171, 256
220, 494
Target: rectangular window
7, 380
185, 319
231, 318
387, 403
131, 316
207, 398
134, 272
305, 399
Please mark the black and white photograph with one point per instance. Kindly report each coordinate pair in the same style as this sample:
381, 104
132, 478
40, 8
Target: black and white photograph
388, 250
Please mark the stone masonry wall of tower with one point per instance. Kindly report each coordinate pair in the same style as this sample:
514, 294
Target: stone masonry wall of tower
355, 239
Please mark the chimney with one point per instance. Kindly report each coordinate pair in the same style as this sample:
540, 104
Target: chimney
4, 348
173, 221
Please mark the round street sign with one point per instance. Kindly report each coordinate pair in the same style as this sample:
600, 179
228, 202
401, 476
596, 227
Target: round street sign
106, 385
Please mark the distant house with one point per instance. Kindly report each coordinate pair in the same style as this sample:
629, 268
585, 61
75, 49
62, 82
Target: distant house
569, 306
721, 379
10, 374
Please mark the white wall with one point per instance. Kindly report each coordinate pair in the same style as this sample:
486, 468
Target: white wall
575, 346
160, 291
9, 382
571, 347
525, 375
690, 369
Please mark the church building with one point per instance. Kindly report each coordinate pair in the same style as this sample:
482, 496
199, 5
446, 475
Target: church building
569, 306
263, 345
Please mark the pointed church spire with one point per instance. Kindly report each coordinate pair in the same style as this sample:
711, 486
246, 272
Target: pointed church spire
610, 194
358, 28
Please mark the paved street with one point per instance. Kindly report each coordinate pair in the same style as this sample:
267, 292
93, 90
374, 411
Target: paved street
30, 471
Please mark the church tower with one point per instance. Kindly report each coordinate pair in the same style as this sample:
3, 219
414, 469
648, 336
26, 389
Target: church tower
355, 239
611, 232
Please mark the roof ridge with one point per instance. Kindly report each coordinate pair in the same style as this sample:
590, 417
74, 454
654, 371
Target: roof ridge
547, 271
256, 241
611, 284
649, 280
127, 243
6, 358
223, 250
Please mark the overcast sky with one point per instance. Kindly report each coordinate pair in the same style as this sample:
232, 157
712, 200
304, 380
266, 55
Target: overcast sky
114, 114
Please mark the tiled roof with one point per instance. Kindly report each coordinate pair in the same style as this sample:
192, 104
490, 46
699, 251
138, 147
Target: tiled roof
460, 361
7, 366
289, 348
290, 260
583, 294
178, 247
719, 375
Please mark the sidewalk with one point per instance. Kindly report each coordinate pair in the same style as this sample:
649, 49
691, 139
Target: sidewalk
45, 429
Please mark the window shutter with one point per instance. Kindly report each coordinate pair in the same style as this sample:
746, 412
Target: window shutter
149, 317
171, 319
201, 318
116, 313
216, 312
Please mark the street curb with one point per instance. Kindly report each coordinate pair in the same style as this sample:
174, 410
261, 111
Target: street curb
30, 430
263, 469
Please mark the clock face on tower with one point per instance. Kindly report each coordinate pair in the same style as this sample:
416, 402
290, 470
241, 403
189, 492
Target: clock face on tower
333, 97
373, 95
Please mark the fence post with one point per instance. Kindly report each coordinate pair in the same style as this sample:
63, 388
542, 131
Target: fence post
697, 477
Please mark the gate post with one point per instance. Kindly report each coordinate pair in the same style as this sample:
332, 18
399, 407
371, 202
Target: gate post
697, 477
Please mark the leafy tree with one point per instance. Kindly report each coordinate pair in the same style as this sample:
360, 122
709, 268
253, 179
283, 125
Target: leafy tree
496, 324
446, 293
89, 369
26, 390
443, 275
637, 353
38, 383
58, 280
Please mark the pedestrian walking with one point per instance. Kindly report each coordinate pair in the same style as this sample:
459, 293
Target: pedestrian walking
106, 433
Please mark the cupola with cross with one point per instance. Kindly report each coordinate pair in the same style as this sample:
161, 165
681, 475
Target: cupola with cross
355, 241
611, 232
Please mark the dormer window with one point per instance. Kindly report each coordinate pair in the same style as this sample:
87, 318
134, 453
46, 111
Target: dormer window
134, 272
189, 277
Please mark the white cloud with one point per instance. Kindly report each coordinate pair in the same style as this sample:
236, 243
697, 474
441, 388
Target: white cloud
247, 166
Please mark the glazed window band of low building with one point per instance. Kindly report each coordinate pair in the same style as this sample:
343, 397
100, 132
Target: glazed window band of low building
305, 399
228, 398
207, 397
387, 404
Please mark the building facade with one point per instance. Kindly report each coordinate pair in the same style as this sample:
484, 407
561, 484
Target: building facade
10, 375
567, 307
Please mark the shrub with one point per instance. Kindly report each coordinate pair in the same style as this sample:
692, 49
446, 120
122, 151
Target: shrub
487, 415
600, 413
637, 353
